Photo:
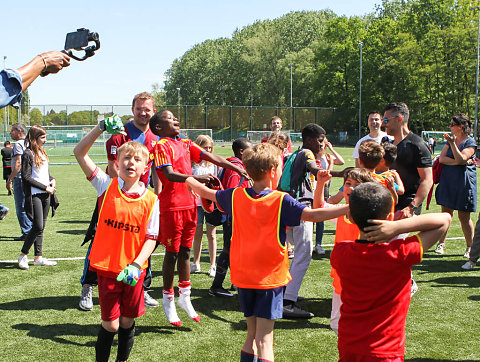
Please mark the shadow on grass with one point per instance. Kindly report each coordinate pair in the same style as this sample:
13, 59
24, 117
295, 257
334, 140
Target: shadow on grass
59, 332
456, 282
72, 232
474, 298
434, 263
285, 324
74, 222
61, 303
9, 238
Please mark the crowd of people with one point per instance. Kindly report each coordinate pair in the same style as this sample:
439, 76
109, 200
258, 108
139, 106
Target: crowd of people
270, 197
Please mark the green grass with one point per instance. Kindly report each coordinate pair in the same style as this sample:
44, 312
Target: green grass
40, 320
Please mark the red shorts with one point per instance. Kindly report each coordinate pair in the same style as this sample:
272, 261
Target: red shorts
355, 357
177, 228
120, 299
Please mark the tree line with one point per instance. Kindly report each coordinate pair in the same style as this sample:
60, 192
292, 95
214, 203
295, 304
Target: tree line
421, 52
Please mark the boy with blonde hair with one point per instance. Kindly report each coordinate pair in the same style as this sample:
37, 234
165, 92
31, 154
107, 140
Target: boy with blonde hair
125, 238
258, 253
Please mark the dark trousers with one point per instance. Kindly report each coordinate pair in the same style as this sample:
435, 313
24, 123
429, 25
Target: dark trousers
223, 260
41, 205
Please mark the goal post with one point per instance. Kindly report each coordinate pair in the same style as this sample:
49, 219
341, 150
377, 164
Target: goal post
193, 133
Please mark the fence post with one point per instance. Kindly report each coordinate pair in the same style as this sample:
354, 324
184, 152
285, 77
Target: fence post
186, 125
231, 126
66, 114
205, 119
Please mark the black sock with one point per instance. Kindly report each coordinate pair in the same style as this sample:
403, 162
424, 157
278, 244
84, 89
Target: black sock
103, 345
247, 357
125, 342
223, 263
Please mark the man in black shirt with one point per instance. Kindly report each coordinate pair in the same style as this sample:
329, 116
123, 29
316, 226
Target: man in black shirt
414, 162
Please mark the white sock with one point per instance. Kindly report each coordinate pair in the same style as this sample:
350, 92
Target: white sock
168, 305
185, 303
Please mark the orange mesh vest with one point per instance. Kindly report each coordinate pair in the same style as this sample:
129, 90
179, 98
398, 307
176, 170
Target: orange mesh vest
258, 260
121, 230
346, 230
381, 179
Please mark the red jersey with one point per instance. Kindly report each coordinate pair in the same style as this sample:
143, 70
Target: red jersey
149, 139
231, 179
258, 260
178, 153
376, 282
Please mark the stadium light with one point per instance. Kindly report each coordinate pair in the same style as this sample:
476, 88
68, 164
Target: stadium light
476, 81
360, 93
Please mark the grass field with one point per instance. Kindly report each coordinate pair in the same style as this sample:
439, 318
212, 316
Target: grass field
40, 320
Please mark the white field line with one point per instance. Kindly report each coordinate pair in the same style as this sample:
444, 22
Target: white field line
155, 254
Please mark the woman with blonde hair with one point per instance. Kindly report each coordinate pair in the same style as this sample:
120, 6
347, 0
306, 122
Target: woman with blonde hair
204, 168
38, 187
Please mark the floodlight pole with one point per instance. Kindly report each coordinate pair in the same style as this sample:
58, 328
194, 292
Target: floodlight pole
178, 103
291, 95
476, 81
360, 94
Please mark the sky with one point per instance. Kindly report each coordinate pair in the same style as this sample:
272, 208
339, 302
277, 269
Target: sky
139, 41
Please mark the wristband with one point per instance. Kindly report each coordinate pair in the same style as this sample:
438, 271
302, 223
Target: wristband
44, 62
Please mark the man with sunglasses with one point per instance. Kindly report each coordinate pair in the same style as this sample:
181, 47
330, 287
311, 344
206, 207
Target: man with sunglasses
414, 161
376, 134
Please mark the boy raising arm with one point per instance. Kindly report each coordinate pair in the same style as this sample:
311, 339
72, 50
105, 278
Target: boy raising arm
125, 238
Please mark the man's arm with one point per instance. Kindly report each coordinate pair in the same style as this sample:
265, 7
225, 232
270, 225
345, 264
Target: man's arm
423, 189
81, 151
50, 62
15, 170
431, 227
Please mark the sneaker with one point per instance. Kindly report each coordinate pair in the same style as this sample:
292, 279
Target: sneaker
212, 271
293, 312
23, 262
291, 254
194, 268
468, 265
414, 288
220, 292
86, 302
319, 250
4, 213
440, 249
467, 253
44, 262
149, 301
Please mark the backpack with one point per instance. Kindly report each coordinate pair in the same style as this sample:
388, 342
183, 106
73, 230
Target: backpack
221, 174
285, 183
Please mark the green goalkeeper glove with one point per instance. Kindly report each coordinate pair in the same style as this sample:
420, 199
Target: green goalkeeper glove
113, 125
130, 274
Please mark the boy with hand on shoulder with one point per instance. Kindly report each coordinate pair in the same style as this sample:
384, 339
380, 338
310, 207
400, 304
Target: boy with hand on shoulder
178, 212
125, 238
376, 274
258, 252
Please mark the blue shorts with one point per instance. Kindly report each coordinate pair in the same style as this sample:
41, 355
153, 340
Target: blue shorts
262, 303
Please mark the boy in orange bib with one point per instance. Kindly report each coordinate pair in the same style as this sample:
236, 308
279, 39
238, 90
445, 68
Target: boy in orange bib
258, 251
125, 238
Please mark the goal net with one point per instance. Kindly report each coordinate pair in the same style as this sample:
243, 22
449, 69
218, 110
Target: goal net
193, 133
257, 136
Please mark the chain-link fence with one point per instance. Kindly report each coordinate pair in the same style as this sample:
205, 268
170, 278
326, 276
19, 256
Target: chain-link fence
226, 122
